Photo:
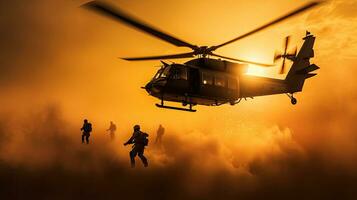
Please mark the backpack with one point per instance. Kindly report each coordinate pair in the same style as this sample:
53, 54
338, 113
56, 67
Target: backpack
142, 139
88, 127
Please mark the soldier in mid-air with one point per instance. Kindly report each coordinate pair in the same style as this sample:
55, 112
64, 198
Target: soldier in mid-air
86, 128
112, 128
160, 132
140, 140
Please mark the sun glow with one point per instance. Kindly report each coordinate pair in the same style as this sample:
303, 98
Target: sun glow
255, 71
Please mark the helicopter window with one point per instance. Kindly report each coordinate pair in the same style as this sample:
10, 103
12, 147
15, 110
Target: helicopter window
220, 81
179, 73
207, 79
165, 72
232, 83
157, 75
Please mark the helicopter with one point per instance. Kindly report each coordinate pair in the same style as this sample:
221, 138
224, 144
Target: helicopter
217, 81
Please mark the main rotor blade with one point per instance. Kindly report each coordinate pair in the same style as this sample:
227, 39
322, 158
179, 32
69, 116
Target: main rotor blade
116, 14
291, 14
244, 61
173, 56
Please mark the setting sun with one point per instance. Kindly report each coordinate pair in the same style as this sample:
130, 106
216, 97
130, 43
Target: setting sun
256, 71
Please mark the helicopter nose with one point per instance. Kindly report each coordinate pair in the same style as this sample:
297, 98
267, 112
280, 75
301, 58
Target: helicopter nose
148, 87
155, 86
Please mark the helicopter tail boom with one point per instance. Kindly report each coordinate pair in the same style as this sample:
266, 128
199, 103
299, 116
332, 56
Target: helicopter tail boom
302, 68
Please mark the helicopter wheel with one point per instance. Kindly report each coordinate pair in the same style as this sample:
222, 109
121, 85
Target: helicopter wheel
232, 103
293, 100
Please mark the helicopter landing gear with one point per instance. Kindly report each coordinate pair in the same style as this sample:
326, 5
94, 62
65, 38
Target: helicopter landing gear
234, 102
161, 105
293, 100
185, 102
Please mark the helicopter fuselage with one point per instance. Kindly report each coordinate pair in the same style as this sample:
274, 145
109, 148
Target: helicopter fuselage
211, 82
208, 81
214, 82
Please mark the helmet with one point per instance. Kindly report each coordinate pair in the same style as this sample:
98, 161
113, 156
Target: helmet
136, 127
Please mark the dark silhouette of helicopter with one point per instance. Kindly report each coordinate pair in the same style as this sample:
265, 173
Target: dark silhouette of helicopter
213, 82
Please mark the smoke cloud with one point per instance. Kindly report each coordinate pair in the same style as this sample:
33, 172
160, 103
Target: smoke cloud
42, 157
58, 65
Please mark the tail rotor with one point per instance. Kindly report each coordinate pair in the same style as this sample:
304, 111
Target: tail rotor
289, 55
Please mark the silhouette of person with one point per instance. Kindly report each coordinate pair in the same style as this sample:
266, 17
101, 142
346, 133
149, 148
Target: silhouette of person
112, 128
139, 139
159, 133
86, 128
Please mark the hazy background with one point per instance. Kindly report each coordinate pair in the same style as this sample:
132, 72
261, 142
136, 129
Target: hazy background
59, 64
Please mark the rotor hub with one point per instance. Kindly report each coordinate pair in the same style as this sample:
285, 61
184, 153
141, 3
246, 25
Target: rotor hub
202, 50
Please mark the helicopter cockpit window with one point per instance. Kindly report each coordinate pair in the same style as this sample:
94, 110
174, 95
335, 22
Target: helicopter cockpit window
165, 72
158, 73
207, 79
220, 81
179, 73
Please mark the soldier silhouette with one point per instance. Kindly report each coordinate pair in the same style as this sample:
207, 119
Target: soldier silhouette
86, 128
139, 139
112, 128
160, 132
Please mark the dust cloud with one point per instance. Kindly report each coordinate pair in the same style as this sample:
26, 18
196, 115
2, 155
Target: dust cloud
58, 65
42, 157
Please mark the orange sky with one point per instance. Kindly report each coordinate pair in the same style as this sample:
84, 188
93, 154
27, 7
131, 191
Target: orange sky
69, 56
59, 54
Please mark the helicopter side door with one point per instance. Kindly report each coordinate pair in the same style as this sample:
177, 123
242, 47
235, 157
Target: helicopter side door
219, 86
212, 85
178, 79
194, 79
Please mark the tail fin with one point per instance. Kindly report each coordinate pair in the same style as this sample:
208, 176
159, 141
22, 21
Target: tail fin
301, 68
